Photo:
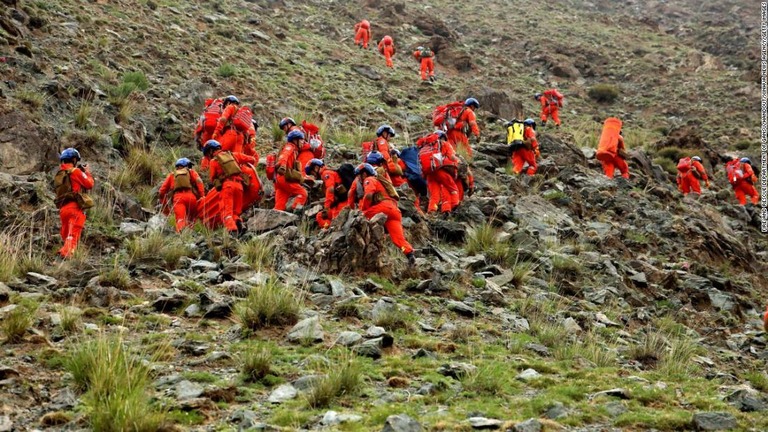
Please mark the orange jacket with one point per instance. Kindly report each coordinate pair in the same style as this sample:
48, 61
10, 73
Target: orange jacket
468, 117
224, 120
386, 41
330, 180
170, 183
371, 186
749, 173
417, 55
610, 140
217, 171
78, 178
553, 97
697, 166
287, 156
363, 24
382, 145
530, 134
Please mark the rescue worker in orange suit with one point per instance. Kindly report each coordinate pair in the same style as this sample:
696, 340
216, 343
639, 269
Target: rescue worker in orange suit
611, 151
387, 49
426, 57
528, 152
312, 148
388, 152
227, 178
438, 164
71, 182
689, 171
230, 138
466, 122
362, 34
743, 183
185, 187
551, 102
335, 191
288, 174
377, 200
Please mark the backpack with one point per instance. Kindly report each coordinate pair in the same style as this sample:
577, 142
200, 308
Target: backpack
182, 179
347, 173
228, 164
684, 165
211, 114
270, 169
381, 176
734, 171
410, 156
425, 53
62, 185
445, 116
242, 119
431, 158
515, 134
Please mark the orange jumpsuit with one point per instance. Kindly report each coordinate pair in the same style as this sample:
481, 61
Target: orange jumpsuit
551, 101
522, 155
611, 142
71, 215
231, 190
746, 186
284, 189
388, 206
362, 33
457, 137
332, 206
427, 65
184, 201
387, 49
392, 167
231, 138
688, 181
441, 183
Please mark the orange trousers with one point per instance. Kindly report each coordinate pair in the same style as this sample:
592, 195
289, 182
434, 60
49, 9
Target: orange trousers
231, 140
522, 156
742, 189
388, 52
333, 212
442, 191
427, 68
550, 112
394, 223
184, 209
689, 183
458, 138
72, 224
611, 162
361, 37
285, 190
231, 203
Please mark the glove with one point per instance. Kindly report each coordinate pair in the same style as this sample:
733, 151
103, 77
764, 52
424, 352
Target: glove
538, 153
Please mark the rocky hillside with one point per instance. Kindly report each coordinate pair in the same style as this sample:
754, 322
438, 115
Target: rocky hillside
565, 301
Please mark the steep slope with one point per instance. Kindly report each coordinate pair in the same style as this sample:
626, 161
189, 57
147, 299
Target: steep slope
575, 301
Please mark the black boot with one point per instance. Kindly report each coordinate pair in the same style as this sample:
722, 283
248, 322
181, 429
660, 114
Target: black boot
411, 259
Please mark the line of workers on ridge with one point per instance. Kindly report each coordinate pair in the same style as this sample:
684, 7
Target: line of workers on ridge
386, 46
226, 134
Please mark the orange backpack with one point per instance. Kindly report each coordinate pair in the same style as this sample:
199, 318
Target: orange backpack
735, 171
211, 114
270, 170
242, 119
445, 116
684, 165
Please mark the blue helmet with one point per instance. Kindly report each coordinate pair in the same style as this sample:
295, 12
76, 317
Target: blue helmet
441, 135
313, 163
745, 160
69, 153
537, 96
375, 158
472, 102
696, 158
285, 121
183, 162
231, 99
529, 122
365, 168
294, 135
211, 145
385, 128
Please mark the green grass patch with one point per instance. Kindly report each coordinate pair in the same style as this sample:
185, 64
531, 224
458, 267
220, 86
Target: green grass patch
267, 305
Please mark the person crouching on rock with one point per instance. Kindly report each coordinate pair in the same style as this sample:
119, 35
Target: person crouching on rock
375, 198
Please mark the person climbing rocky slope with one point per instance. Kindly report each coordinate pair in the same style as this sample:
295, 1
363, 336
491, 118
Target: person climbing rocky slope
562, 300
